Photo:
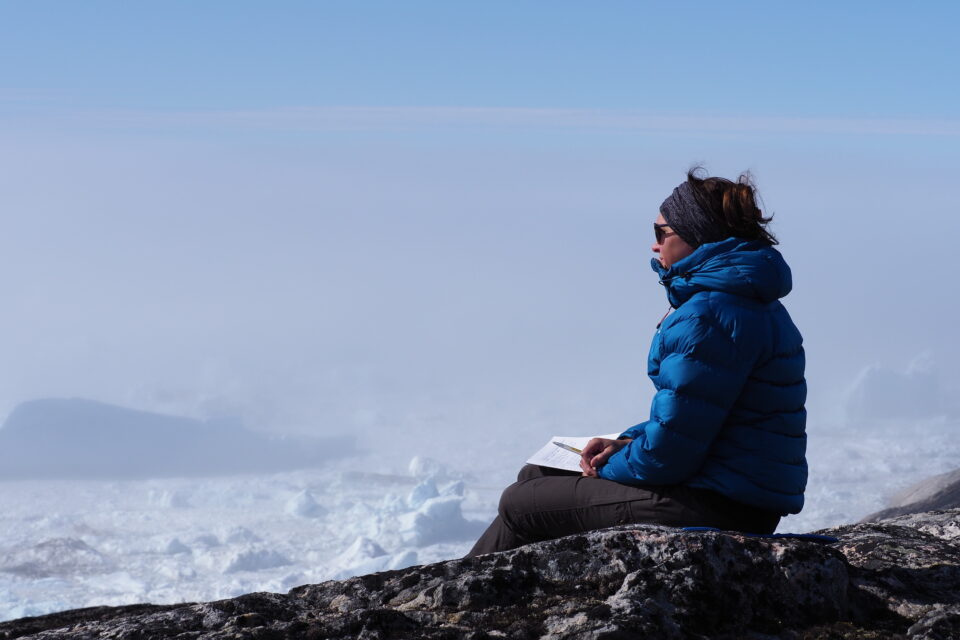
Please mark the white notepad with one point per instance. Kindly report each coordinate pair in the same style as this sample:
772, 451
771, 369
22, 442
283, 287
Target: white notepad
550, 455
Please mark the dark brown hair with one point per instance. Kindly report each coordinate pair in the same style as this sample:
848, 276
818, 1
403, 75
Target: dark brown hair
733, 205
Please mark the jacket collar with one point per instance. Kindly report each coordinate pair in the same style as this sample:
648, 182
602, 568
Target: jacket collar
747, 268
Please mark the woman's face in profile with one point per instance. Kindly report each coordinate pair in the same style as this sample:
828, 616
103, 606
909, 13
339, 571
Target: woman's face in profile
673, 248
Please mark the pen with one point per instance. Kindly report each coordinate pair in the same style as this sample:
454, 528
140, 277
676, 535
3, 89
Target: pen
568, 447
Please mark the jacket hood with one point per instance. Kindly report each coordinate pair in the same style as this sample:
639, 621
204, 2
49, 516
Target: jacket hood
747, 268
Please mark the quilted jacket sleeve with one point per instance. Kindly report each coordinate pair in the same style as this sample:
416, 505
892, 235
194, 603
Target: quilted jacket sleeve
634, 432
700, 375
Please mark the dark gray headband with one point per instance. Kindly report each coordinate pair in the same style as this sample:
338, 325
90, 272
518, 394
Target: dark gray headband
691, 222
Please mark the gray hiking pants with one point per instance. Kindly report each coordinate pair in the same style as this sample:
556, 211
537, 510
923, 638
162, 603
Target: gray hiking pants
547, 503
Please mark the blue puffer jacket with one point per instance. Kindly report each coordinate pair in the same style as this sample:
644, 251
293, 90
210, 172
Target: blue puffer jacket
729, 412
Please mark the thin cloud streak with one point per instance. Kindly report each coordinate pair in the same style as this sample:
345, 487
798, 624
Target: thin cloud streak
32, 97
360, 118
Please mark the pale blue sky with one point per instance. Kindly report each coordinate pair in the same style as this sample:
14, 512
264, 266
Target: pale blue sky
742, 58
329, 215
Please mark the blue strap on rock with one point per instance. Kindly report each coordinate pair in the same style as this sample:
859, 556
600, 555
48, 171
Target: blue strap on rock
806, 537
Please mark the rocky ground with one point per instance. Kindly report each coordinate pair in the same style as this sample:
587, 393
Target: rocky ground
937, 492
898, 578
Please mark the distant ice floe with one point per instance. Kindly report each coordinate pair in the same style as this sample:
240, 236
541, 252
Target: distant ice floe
176, 499
392, 503
304, 505
55, 557
457, 488
438, 519
206, 540
434, 514
391, 534
366, 556
175, 546
424, 491
428, 515
427, 468
361, 549
256, 560
241, 534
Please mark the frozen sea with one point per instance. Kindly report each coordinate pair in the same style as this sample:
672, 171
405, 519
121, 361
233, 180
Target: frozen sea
67, 544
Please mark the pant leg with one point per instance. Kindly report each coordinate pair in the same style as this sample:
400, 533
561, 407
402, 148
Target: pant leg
673, 505
530, 471
499, 537
548, 503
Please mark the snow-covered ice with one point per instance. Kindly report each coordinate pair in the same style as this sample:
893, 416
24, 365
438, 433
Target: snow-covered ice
66, 544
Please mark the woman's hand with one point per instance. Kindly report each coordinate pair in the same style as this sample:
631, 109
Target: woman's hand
597, 452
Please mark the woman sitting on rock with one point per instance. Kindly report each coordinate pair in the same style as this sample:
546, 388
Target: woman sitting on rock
724, 446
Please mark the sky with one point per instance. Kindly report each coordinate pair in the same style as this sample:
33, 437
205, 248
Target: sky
426, 221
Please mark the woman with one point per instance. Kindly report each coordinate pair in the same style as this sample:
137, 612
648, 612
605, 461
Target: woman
724, 446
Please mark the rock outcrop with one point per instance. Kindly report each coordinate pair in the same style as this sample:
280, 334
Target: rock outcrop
77, 438
937, 492
898, 578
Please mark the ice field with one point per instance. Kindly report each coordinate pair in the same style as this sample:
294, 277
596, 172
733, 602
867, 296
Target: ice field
69, 544
66, 544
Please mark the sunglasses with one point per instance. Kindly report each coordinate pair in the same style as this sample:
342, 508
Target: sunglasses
660, 234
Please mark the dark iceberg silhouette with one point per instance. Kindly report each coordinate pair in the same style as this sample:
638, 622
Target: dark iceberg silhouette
78, 438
